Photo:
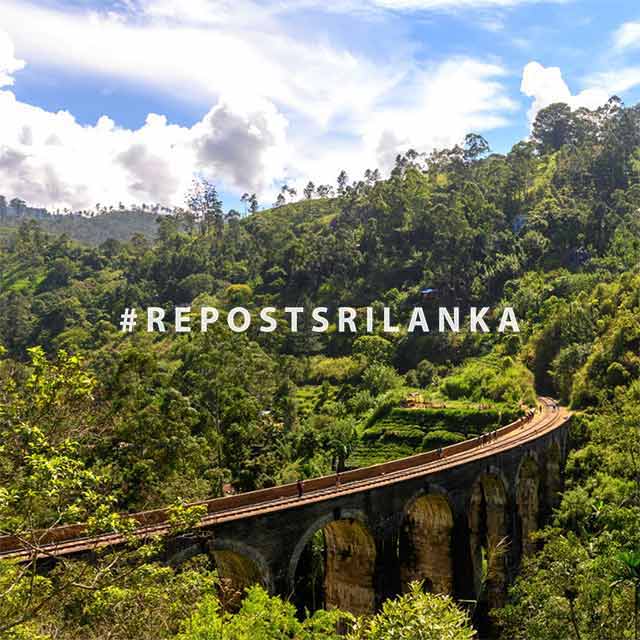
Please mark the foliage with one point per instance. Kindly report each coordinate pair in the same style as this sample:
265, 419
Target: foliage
374, 349
380, 378
334, 369
94, 423
440, 438
423, 375
500, 380
584, 583
416, 616
260, 617
43, 482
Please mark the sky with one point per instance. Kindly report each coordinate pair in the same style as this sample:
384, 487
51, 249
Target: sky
109, 101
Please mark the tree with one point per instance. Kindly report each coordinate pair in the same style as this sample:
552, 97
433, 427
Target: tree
261, 617
127, 600
475, 146
553, 127
286, 191
309, 190
43, 413
379, 378
245, 200
253, 203
325, 191
374, 349
250, 202
629, 573
416, 616
59, 275
342, 181
19, 206
371, 176
206, 206
343, 438
424, 373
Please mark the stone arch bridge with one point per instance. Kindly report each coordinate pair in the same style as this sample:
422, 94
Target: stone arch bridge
459, 519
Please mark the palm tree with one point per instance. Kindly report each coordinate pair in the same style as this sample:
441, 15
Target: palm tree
629, 573
491, 557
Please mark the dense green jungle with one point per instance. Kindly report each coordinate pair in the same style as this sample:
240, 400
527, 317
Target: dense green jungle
95, 423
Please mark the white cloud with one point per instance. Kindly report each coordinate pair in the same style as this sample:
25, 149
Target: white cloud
443, 102
51, 160
244, 147
288, 105
455, 4
452, 99
9, 64
546, 86
239, 53
617, 81
367, 6
627, 36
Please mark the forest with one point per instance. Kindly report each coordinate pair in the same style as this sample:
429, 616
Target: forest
95, 423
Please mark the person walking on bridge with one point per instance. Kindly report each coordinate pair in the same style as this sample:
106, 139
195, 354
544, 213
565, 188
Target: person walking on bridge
300, 488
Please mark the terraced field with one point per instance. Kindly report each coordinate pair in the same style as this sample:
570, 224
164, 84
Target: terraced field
404, 431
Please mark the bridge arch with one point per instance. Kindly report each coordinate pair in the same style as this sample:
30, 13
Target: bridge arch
425, 542
348, 555
527, 497
239, 566
488, 538
184, 554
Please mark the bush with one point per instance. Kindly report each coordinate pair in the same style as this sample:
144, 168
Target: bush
457, 419
440, 438
361, 402
416, 616
238, 293
500, 380
337, 370
617, 375
194, 285
261, 617
374, 349
425, 373
384, 406
379, 378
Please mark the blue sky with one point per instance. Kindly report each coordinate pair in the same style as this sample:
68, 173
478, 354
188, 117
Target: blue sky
253, 94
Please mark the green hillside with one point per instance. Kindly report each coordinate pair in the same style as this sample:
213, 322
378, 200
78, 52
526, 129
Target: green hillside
115, 225
96, 423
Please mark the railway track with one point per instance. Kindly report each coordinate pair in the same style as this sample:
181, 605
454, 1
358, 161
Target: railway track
72, 539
